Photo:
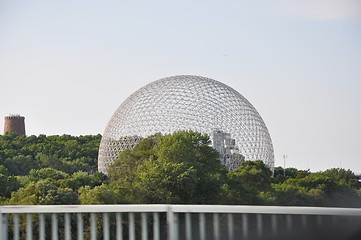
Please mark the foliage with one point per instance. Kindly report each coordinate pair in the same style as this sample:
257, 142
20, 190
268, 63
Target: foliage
281, 175
99, 195
332, 187
47, 170
8, 183
20, 154
46, 174
246, 182
174, 168
43, 192
81, 179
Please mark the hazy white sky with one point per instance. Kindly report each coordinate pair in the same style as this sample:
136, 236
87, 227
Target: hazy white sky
67, 65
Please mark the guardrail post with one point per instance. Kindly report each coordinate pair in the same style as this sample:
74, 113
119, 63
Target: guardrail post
93, 226
156, 233
41, 226
170, 223
274, 223
54, 226
119, 229
80, 226
4, 226
67, 226
289, 222
304, 221
319, 220
106, 226
144, 226
230, 226
259, 225
245, 226
131, 219
29, 227
202, 226
16, 229
188, 223
216, 231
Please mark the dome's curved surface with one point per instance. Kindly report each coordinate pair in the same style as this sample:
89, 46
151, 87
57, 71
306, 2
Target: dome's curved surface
186, 103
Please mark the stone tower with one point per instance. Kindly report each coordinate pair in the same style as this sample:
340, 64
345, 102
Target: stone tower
14, 124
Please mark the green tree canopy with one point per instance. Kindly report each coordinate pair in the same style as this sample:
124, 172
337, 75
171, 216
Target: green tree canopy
44, 192
316, 189
99, 195
174, 168
246, 182
65, 153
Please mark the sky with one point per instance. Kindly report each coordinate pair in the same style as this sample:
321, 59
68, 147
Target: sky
67, 65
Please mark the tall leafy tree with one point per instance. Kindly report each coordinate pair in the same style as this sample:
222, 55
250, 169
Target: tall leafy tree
44, 192
174, 168
246, 182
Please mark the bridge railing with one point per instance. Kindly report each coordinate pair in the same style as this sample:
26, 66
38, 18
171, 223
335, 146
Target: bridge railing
177, 222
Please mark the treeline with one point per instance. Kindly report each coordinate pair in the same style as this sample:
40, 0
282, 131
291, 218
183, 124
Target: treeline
179, 168
47, 169
20, 154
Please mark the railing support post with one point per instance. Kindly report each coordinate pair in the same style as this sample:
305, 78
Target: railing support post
202, 226
230, 226
106, 232
188, 223
289, 222
144, 226
274, 224
3, 226
119, 229
93, 226
41, 227
80, 227
29, 227
245, 226
170, 223
16, 227
156, 226
131, 226
304, 221
67, 226
216, 232
259, 225
54, 226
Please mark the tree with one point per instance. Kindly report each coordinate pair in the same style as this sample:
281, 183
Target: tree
50, 161
20, 165
342, 176
281, 175
128, 160
36, 175
43, 192
284, 194
99, 195
65, 153
8, 184
246, 182
316, 189
174, 168
81, 179
254, 175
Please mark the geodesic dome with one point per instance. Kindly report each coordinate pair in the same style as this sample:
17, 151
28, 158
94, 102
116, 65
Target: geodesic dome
186, 103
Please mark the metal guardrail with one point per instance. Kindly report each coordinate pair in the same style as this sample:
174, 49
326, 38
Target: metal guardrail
171, 222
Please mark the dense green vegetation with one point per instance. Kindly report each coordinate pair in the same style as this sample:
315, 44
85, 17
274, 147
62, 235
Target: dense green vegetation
20, 154
177, 168
47, 169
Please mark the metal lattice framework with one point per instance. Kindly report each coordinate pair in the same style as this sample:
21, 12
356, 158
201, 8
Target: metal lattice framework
186, 103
